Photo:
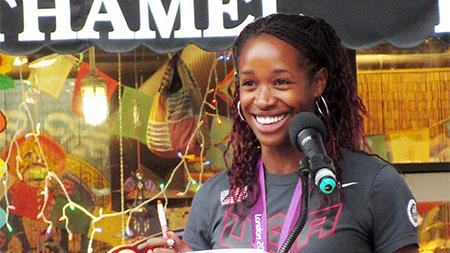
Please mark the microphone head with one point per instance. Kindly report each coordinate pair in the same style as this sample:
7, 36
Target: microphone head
303, 121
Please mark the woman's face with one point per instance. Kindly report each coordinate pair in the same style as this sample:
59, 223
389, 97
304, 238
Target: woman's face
273, 88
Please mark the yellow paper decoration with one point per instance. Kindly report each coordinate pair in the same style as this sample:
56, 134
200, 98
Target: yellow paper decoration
3, 167
109, 229
6, 62
410, 145
49, 73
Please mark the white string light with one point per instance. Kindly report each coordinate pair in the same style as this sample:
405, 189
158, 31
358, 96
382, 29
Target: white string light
183, 161
50, 175
122, 192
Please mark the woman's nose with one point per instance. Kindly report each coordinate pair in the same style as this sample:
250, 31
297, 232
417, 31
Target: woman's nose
264, 97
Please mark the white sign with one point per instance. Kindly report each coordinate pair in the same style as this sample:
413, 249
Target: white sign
165, 21
444, 17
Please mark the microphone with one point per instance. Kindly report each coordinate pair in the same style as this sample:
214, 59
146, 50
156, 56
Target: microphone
307, 133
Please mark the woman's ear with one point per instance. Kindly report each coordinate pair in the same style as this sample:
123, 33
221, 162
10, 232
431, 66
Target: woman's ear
320, 81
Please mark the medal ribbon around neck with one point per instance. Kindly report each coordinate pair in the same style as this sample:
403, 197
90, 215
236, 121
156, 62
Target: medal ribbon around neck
259, 213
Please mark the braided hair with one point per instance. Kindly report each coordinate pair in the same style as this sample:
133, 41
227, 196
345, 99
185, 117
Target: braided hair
320, 47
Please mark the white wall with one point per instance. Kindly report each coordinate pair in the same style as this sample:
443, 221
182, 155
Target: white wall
429, 186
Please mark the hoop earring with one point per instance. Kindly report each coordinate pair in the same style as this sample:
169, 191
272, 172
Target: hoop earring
325, 106
239, 111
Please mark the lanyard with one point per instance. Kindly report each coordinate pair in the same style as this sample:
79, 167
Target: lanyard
259, 214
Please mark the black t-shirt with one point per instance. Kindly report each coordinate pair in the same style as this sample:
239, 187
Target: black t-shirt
373, 212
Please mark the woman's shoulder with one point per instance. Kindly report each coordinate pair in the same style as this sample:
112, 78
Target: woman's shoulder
360, 158
211, 191
218, 182
363, 165
373, 175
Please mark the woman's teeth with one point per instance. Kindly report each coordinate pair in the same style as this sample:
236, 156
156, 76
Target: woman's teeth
269, 120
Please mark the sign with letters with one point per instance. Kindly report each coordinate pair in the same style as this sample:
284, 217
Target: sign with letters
168, 25
444, 17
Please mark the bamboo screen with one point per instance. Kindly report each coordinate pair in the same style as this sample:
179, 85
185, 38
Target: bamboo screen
404, 101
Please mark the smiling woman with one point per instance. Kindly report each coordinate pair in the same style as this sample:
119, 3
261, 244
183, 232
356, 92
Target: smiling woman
288, 64
274, 88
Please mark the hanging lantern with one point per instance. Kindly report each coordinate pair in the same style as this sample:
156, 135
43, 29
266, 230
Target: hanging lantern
94, 95
95, 102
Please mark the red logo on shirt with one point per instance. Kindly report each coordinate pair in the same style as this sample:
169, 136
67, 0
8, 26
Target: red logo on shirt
321, 224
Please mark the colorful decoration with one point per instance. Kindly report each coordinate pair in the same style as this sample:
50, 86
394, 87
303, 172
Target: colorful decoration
139, 225
136, 186
108, 228
87, 177
90, 178
3, 122
42, 170
194, 158
49, 73
101, 192
78, 222
32, 164
79, 192
219, 138
111, 86
135, 111
6, 63
37, 171
2, 217
176, 113
411, 145
27, 197
377, 143
226, 87
27, 200
3, 168
6, 82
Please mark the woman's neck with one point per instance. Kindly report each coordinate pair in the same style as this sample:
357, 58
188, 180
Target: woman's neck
281, 160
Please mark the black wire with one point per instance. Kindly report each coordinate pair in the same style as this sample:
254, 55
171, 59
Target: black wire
301, 221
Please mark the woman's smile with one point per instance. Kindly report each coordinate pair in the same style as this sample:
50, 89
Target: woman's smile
268, 124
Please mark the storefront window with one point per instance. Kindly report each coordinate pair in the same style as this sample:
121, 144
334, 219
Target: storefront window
407, 95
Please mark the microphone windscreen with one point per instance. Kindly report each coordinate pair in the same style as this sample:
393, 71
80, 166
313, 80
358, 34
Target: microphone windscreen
303, 121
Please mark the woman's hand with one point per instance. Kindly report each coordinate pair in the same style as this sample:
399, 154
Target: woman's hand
171, 244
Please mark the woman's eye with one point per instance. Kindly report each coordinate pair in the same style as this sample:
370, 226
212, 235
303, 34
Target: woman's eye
248, 83
281, 81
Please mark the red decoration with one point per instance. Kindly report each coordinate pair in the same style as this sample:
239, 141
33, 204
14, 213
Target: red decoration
26, 195
3, 122
27, 200
225, 86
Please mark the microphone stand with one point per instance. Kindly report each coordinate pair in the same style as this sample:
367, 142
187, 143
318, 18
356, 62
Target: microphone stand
304, 171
